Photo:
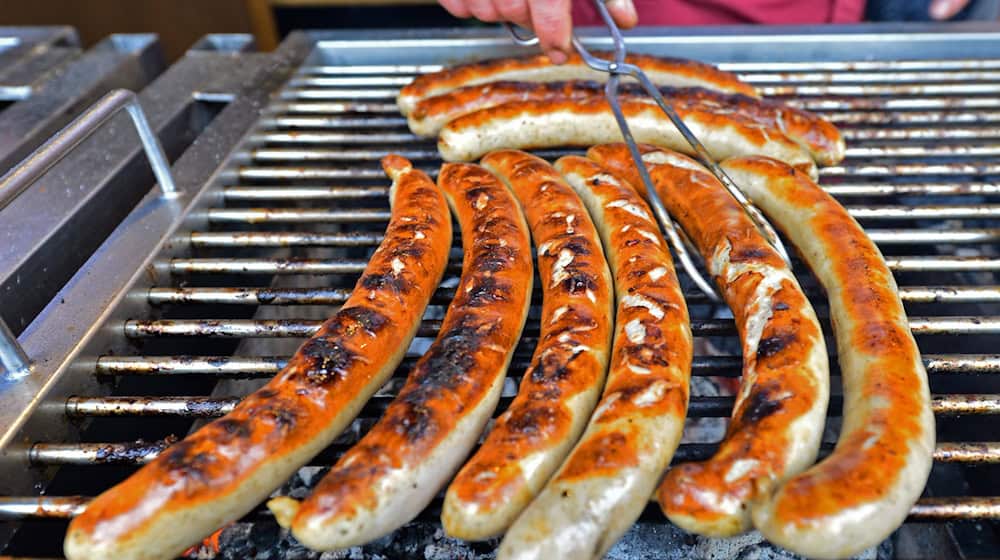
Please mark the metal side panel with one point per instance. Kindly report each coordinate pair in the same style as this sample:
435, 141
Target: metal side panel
27, 53
710, 44
52, 227
119, 61
84, 318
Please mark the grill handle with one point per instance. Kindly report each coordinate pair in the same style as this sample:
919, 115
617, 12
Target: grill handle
59, 146
14, 363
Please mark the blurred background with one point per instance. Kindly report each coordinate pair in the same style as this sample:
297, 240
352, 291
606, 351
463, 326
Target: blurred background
179, 23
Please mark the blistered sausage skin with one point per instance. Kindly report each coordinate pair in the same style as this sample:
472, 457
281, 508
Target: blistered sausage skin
604, 484
549, 124
560, 387
863, 491
389, 476
661, 70
780, 409
809, 130
226, 468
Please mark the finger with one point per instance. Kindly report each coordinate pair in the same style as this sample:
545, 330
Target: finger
483, 10
946, 9
623, 12
514, 11
456, 8
553, 24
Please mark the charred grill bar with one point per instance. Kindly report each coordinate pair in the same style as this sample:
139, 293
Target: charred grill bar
171, 324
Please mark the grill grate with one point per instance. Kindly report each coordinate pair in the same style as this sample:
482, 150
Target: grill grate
306, 203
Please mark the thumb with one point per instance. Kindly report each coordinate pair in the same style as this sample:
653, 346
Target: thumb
623, 12
946, 9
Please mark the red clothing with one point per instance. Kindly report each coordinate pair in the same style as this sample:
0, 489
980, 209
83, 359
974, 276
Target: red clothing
717, 12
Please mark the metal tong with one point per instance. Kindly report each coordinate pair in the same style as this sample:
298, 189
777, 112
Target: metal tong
616, 68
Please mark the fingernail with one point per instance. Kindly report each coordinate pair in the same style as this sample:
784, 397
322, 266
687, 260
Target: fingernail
557, 57
626, 7
939, 10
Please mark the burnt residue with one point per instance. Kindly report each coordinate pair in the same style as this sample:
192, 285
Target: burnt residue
749, 254
370, 319
442, 370
578, 245
328, 359
138, 451
534, 421
209, 408
578, 282
773, 344
493, 258
408, 250
760, 404
552, 368
392, 282
486, 290
234, 428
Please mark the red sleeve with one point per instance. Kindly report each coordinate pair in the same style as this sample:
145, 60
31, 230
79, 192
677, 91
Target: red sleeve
715, 12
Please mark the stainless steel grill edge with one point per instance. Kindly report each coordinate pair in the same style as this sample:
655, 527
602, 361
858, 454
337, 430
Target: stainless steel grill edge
189, 304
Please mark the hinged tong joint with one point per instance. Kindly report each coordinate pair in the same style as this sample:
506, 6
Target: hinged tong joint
618, 67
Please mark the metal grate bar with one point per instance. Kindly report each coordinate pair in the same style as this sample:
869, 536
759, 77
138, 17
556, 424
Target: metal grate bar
295, 328
354, 266
241, 193
214, 407
331, 296
296, 193
295, 215
265, 366
284, 239
370, 239
306, 215
141, 452
926, 509
332, 122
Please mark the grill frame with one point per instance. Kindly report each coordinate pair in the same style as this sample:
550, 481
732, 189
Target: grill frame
113, 286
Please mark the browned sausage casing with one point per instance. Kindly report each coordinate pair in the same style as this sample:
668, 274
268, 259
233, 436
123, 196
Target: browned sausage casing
780, 409
809, 130
389, 476
662, 71
550, 124
863, 491
225, 469
607, 480
560, 388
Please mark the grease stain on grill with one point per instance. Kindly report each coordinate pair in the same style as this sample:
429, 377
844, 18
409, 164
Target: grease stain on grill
134, 452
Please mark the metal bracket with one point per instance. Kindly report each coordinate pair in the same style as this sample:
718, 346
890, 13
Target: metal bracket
59, 146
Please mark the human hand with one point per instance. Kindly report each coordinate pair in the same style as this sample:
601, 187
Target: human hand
550, 19
946, 9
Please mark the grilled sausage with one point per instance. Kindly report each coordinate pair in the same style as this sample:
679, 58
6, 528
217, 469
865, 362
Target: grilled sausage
560, 388
389, 476
538, 68
223, 470
858, 495
809, 130
607, 480
548, 124
778, 417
